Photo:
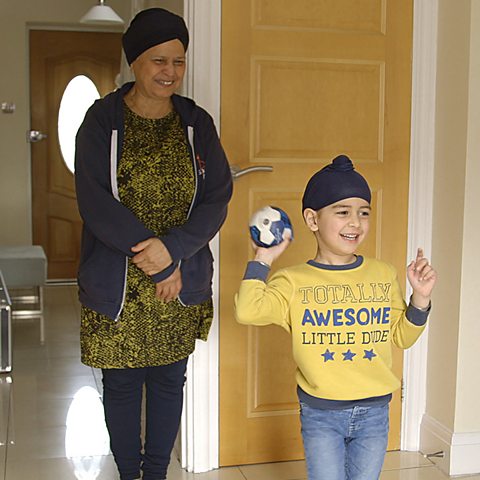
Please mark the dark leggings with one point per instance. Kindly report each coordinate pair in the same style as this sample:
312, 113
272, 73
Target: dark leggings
122, 399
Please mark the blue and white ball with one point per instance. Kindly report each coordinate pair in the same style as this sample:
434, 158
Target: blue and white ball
269, 225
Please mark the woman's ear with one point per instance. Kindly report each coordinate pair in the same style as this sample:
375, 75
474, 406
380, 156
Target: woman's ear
310, 217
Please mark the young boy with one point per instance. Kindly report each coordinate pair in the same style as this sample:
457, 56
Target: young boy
343, 312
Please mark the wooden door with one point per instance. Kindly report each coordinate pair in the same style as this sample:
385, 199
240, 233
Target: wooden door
56, 57
303, 82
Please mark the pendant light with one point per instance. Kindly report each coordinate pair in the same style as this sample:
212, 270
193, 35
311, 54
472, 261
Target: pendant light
101, 14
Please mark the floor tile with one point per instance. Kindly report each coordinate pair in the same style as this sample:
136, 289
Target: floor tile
87, 468
34, 444
51, 350
65, 368
425, 473
397, 460
42, 413
76, 429
47, 387
275, 471
175, 472
51, 415
85, 440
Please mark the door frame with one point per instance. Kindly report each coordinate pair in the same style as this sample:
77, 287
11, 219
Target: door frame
422, 163
200, 439
199, 432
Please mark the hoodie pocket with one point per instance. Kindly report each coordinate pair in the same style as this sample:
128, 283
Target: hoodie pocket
101, 275
197, 274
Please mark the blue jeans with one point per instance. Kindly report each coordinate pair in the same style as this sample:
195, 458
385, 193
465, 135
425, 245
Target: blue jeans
122, 399
345, 444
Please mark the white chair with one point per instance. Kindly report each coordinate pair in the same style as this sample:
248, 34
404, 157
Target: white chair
25, 267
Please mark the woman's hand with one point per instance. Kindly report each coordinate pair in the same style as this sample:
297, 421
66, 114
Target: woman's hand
151, 256
168, 289
269, 255
422, 278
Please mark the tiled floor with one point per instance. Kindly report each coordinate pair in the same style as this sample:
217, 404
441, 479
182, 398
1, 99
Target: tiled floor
45, 432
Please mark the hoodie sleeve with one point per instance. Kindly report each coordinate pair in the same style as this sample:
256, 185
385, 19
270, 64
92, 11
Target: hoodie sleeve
103, 214
210, 211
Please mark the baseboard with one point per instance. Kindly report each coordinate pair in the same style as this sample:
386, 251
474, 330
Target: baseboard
461, 451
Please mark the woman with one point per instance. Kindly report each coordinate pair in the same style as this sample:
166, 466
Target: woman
153, 185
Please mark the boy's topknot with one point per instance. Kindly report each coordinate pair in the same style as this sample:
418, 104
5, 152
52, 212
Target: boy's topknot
333, 183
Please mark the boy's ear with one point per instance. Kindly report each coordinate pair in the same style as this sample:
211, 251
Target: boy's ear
310, 217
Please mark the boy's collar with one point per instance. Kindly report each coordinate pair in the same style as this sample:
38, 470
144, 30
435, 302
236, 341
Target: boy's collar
358, 261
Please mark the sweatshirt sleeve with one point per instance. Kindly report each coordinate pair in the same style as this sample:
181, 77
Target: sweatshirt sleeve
209, 213
259, 303
407, 323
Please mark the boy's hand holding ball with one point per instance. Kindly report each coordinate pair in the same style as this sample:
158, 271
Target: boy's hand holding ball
271, 232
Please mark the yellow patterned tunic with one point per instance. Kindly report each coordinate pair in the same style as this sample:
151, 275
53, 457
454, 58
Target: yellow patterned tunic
156, 182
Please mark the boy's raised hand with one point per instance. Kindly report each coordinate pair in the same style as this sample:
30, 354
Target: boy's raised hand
422, 278
269, 255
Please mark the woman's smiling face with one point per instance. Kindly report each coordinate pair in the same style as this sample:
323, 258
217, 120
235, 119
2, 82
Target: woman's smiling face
159, 71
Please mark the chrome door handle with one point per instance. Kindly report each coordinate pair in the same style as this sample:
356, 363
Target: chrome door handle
34, 136
238, 172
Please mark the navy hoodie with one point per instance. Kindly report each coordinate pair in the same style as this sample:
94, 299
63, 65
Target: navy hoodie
110, 229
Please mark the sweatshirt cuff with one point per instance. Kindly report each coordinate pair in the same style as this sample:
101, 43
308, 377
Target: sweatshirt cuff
417, 316
256, 271
158, 277
173, 247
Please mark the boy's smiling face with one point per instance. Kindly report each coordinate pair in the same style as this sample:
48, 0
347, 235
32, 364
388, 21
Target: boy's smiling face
339, 229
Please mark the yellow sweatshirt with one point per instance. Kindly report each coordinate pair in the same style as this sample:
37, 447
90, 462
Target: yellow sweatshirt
343, 320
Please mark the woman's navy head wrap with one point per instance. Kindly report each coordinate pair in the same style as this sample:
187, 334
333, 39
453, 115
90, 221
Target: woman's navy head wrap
151, 27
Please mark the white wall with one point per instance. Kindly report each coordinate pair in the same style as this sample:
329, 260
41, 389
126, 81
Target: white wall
15, 17
467, 415
452, 420
175, 6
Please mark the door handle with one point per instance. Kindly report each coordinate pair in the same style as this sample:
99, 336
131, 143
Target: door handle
34, 136
238, 172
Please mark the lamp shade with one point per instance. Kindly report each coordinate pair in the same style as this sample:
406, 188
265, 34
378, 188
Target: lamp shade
101, 14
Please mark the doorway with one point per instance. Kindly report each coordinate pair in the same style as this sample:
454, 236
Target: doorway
57, 58
303, 85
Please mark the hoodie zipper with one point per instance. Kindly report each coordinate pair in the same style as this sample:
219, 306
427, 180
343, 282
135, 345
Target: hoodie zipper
192, 146
114, 183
